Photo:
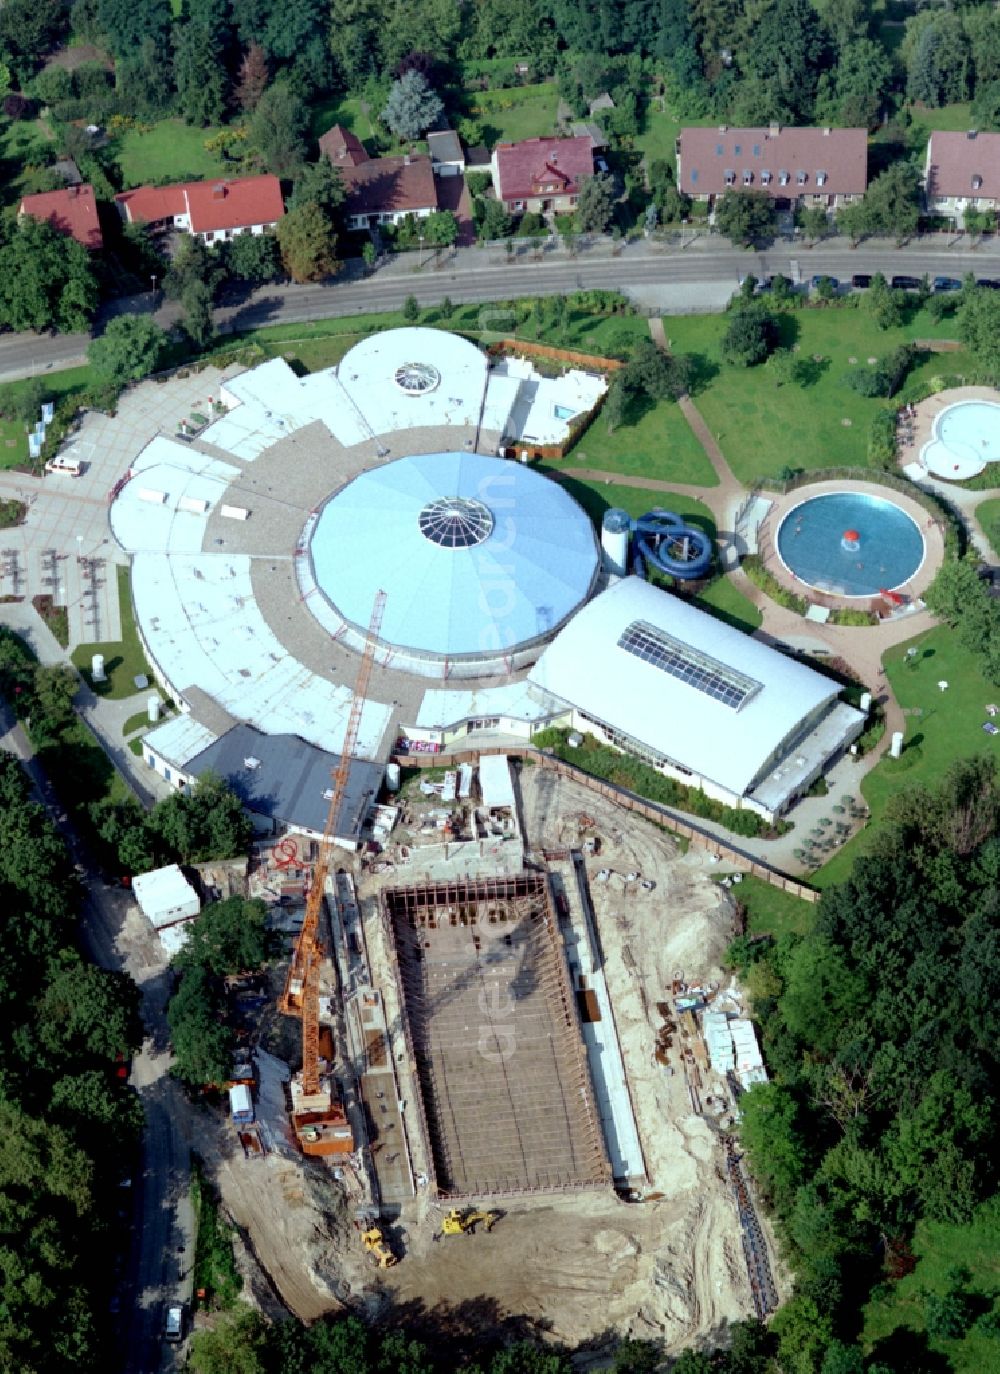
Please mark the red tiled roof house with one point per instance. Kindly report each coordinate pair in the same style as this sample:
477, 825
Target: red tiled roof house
211, 210
541, 174
962, 172
73, 211
380, 190
821, 167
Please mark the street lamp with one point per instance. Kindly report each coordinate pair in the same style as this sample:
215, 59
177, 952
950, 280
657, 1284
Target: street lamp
420, 251
152, 278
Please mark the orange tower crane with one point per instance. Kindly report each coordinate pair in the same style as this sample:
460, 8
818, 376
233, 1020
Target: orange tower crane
301, 993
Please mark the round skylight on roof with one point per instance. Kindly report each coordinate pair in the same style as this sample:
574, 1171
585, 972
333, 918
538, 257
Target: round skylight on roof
416, 379
455, 522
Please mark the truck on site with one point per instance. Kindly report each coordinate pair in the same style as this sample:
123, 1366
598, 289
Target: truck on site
241, 1104
377, 1249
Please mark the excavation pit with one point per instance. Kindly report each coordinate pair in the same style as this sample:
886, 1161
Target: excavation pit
506, 1100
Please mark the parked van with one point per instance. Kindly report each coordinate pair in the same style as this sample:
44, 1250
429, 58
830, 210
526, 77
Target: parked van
62, 462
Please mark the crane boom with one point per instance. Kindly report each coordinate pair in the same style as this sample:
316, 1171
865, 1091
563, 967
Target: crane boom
301, 993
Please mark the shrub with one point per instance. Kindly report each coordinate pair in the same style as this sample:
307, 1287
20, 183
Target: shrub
770, 585
887, 375
882, 440
751, 336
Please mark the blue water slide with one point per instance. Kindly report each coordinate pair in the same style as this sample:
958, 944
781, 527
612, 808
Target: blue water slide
662, 540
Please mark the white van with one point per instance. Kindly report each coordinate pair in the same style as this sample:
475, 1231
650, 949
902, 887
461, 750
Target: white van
62, 462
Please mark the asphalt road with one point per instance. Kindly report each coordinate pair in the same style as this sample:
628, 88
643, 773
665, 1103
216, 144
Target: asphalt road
159, 1268
489, 274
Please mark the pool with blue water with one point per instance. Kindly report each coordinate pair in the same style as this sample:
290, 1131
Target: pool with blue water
850, 544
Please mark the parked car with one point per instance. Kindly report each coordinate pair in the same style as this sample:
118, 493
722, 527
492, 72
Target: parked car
905, 283
988, 283
824, 278
173, 1323
947, 284
861, 281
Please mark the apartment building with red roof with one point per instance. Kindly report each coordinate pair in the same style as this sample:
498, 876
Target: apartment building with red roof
211, 210
962, 172
796, 166
539, 175
73, 211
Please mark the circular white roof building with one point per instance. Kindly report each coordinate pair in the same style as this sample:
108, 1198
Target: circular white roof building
482, 561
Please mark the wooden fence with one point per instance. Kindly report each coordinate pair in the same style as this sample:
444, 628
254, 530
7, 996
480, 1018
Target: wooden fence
556, 355
629, 801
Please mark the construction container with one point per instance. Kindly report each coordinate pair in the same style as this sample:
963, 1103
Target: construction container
241, 1104
392, 777
153, 710
97, 667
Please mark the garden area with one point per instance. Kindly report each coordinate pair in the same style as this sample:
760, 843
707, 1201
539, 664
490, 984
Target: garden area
515, 112
988, 515
765, 424
169, 150
942, 727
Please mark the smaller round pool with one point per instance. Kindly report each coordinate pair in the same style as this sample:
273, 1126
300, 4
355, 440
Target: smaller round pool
966, 437
850, 543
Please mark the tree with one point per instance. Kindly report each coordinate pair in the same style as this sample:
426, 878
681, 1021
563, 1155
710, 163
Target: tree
86, 1012
308, 244
750, 336
745, 217
413, 106
882, 303
595, 204
130, 348
938, 58
198, 322
891, 205
447, 308
813, 221
318, 183
47, 280
202, 1043
200, 72
253, 258
440, 228
252, 80
411, 310
278, 128
986, 106
237, 1343
979, 329
783, 50
655, 373
492, 220
207, 822
227, 937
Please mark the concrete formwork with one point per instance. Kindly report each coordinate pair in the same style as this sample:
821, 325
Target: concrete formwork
507, 1100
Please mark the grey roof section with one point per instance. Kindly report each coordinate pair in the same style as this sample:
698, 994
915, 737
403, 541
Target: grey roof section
583, 128
283, 777
207, 711
444, 145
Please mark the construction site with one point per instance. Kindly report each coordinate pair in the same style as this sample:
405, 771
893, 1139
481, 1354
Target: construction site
506, 1094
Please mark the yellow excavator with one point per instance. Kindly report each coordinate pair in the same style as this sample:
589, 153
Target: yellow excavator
458, 1223
378, 1251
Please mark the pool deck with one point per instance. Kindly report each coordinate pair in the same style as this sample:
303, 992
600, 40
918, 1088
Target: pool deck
912, 590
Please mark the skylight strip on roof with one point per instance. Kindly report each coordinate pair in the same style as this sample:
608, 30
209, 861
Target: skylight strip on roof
688, 665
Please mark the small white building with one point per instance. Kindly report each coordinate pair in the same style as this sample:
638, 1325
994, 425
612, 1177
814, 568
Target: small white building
169, 902
496, 786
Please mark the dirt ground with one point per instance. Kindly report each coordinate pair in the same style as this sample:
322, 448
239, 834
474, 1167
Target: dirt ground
581, 1266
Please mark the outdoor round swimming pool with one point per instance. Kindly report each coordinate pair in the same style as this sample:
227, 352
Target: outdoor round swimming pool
966, 437
850, 543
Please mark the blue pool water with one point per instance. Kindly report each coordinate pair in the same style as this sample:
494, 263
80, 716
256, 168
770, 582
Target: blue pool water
888, 551
564, 412
972, 426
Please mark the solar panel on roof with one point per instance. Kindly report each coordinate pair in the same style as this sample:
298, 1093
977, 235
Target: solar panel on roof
688, 665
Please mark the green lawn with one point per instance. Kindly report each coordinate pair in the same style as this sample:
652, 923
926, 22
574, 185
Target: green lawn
949, 727
23, 144
949, 119
988, 515
763, 427
13, 435
531, 112
347, 112
771, 911
725, 600
172, 150
659, 444
938, 1247
660, 128
123, 659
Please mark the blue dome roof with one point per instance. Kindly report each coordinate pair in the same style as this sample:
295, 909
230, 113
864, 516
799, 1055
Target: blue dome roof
477, 555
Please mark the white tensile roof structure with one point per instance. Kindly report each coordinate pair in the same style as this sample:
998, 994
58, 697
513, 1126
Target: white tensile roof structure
717, 702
